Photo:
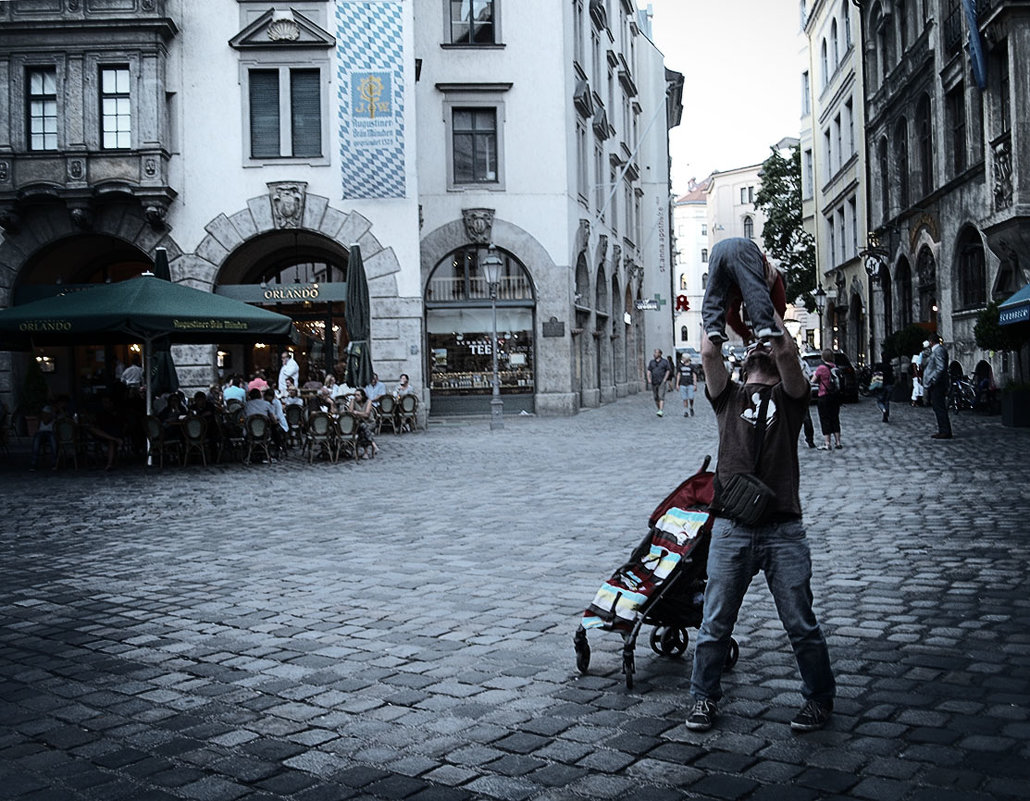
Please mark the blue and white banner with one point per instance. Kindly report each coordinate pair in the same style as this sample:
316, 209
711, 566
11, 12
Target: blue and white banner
370, 68
976, 50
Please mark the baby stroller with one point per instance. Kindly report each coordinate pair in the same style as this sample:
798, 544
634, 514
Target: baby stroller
662, 584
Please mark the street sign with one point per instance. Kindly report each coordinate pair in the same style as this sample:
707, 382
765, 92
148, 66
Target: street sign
650, 304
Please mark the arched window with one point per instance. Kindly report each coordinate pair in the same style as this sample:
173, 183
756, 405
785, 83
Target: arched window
874, 64
683, 282
926, 274
888, 300
683, 333
834, 44
924, 127
704, 280
845, 14
902, 12
972, 270
901, 161
826, 63
749, 227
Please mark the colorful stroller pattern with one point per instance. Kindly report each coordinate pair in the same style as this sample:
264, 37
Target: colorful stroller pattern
662, 584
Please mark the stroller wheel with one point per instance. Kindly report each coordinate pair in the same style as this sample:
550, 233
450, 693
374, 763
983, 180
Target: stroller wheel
669, 640
582, 650
733, 654
628, 667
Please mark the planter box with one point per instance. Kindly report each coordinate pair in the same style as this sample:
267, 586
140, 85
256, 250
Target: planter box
1015, 408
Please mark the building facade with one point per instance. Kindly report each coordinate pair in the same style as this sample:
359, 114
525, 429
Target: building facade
946, 113
833, 167
690, 216
259, 142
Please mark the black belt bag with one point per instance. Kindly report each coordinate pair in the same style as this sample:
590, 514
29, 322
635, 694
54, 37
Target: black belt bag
745, 497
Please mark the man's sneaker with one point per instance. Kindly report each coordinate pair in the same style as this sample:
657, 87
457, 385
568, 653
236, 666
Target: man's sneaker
686, 414
702, 716
660, 412
811, 716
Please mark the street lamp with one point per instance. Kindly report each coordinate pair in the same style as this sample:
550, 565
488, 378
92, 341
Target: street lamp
492, 264
819, 296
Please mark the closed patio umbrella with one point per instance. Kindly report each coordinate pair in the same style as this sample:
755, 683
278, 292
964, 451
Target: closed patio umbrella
163, 377
357, 316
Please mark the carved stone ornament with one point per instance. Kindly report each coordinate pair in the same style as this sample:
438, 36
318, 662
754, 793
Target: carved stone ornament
602, 247
284, 30
479, 225
616, 255
582, 236
1003, 174
155, 214
150, 167
148, 5
73, 5
5, 171
10, 221
82, 218
76, 169
288, 203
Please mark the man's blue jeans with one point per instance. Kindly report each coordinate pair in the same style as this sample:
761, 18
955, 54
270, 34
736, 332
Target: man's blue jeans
736, 555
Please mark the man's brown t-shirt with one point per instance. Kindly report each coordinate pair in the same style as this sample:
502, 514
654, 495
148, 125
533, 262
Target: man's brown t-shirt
736, 410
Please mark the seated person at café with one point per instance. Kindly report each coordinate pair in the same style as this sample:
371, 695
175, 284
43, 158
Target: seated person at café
173, 413
235, 390
288, 383
293, 397
404, 387
375, 390
280, 430
360, 406
256, 404
258, 381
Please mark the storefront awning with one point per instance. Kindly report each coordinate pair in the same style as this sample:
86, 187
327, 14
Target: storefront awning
1016, 309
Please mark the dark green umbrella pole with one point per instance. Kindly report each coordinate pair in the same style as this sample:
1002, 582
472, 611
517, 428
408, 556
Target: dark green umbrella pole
357, 316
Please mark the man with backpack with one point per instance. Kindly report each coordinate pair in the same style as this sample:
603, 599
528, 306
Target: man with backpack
827, 378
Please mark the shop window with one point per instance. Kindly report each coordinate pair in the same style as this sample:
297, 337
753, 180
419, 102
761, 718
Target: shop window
459, 326
115, 108
42, 108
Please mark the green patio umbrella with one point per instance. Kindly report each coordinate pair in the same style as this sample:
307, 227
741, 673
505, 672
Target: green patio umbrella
357, 316
141, 309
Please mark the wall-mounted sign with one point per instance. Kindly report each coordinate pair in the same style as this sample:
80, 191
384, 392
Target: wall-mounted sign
648, 304
285, 293
553, 328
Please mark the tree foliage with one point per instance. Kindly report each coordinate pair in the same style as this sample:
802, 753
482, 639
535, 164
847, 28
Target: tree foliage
784, 235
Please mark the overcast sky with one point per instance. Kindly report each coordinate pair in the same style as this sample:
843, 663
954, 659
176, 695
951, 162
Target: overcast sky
742, 87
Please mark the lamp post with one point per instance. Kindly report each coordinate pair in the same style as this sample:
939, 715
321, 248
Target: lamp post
820, 306
492, 264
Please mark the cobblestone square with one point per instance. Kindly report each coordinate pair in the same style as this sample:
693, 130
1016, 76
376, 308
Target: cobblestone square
401, 628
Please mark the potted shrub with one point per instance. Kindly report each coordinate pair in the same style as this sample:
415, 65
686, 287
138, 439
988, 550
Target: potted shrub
1015, 396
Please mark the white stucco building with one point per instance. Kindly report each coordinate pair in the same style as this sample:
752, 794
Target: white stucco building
690, 216
257, 141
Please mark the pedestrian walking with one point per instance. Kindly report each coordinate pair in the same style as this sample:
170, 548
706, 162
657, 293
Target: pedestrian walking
657, 376
686, 382
828, 401
936, 383
883, 394
759, 421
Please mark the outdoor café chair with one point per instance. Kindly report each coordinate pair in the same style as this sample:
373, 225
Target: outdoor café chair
69, 443
407, 417
295, 420
157, 443
346, 436
194, 435
320, 434
259, 435
388, 409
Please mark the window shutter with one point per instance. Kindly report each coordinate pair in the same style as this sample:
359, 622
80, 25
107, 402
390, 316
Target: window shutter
264, 114
306, 105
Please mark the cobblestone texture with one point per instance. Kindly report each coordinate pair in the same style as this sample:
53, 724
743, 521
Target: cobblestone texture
402, 628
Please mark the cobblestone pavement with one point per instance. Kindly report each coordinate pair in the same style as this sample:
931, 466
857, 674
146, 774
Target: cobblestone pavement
402, 628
